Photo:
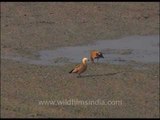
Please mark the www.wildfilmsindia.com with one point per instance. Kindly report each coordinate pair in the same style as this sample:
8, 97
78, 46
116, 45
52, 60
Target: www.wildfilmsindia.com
79, 102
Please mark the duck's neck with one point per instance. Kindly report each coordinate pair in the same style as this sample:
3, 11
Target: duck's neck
84, 62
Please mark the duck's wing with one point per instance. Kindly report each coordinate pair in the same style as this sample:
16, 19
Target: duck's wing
96, 55
77, 68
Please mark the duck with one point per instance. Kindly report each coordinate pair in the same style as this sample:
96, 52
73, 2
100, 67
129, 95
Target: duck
95, 54
80, 68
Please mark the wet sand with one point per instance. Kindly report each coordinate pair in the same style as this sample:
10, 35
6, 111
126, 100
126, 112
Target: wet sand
37, 43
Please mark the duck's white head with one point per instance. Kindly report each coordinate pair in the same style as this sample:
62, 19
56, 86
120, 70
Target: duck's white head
84, 60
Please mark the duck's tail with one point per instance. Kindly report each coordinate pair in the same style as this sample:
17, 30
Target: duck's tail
71, 71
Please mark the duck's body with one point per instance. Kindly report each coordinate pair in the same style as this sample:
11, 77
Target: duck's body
81, 67
95, 55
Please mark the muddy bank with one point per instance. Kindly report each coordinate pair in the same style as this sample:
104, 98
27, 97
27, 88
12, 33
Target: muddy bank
35, 37
23, 85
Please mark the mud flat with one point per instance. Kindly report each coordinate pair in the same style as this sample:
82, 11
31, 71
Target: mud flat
41, 42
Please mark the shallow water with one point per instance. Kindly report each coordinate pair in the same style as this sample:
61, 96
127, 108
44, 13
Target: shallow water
144, 49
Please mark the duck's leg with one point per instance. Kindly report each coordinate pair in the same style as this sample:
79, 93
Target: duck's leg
92, 60
79, 75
